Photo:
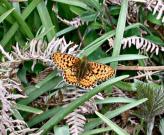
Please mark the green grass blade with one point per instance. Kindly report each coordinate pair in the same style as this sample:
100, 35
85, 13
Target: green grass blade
161, 126
16, 5
120, 31
121, 58
44, 33
125, 86
8, 18
20, 21
10, 33
44, 116
64, 31
74, 3
70, 107
47, 79
2, 17
115, 100
28, 109
62, 130
46, 20
112, 125
96, 131
112, 114
17, 114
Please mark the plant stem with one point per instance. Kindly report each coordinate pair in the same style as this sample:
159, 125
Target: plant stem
150, 126
148, 68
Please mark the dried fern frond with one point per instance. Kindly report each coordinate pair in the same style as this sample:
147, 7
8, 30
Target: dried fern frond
76, 120
158, 8
76, 123
142, 43
37, 50
9, 125
75, 22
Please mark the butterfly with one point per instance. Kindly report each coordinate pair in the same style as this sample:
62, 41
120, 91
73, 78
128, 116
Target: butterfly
81, 72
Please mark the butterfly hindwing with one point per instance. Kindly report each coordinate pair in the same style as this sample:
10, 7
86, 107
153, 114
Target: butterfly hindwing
70, 77
65, 61
88, 81
101, 71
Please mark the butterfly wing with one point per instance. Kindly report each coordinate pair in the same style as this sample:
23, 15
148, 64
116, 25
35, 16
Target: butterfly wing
65, 61
70, 77
100, 71
88, 81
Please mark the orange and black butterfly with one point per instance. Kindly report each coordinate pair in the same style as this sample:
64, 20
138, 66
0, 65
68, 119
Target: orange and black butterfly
81, 72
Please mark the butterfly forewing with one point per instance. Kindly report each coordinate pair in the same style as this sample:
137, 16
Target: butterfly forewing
100, 71
65, 61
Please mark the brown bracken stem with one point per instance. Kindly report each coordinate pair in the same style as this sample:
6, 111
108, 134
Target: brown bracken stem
142, 75
149, 68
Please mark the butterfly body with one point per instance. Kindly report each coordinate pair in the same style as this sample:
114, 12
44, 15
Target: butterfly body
81, 72
82, 68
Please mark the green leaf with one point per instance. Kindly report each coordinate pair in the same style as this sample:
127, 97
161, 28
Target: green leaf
42, 34
9, 18
155, 39
10, 33
112, 125
64, 130
125, 86
76, 3
22, 75
64, 31
115, 100
28, 109
96, 131
152, 19
76, 10
19, 19
16, 114
114, 10
46, 20
88, 17
120, 31
155, 95
43, 116
121, 58
4, 15
161, 126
